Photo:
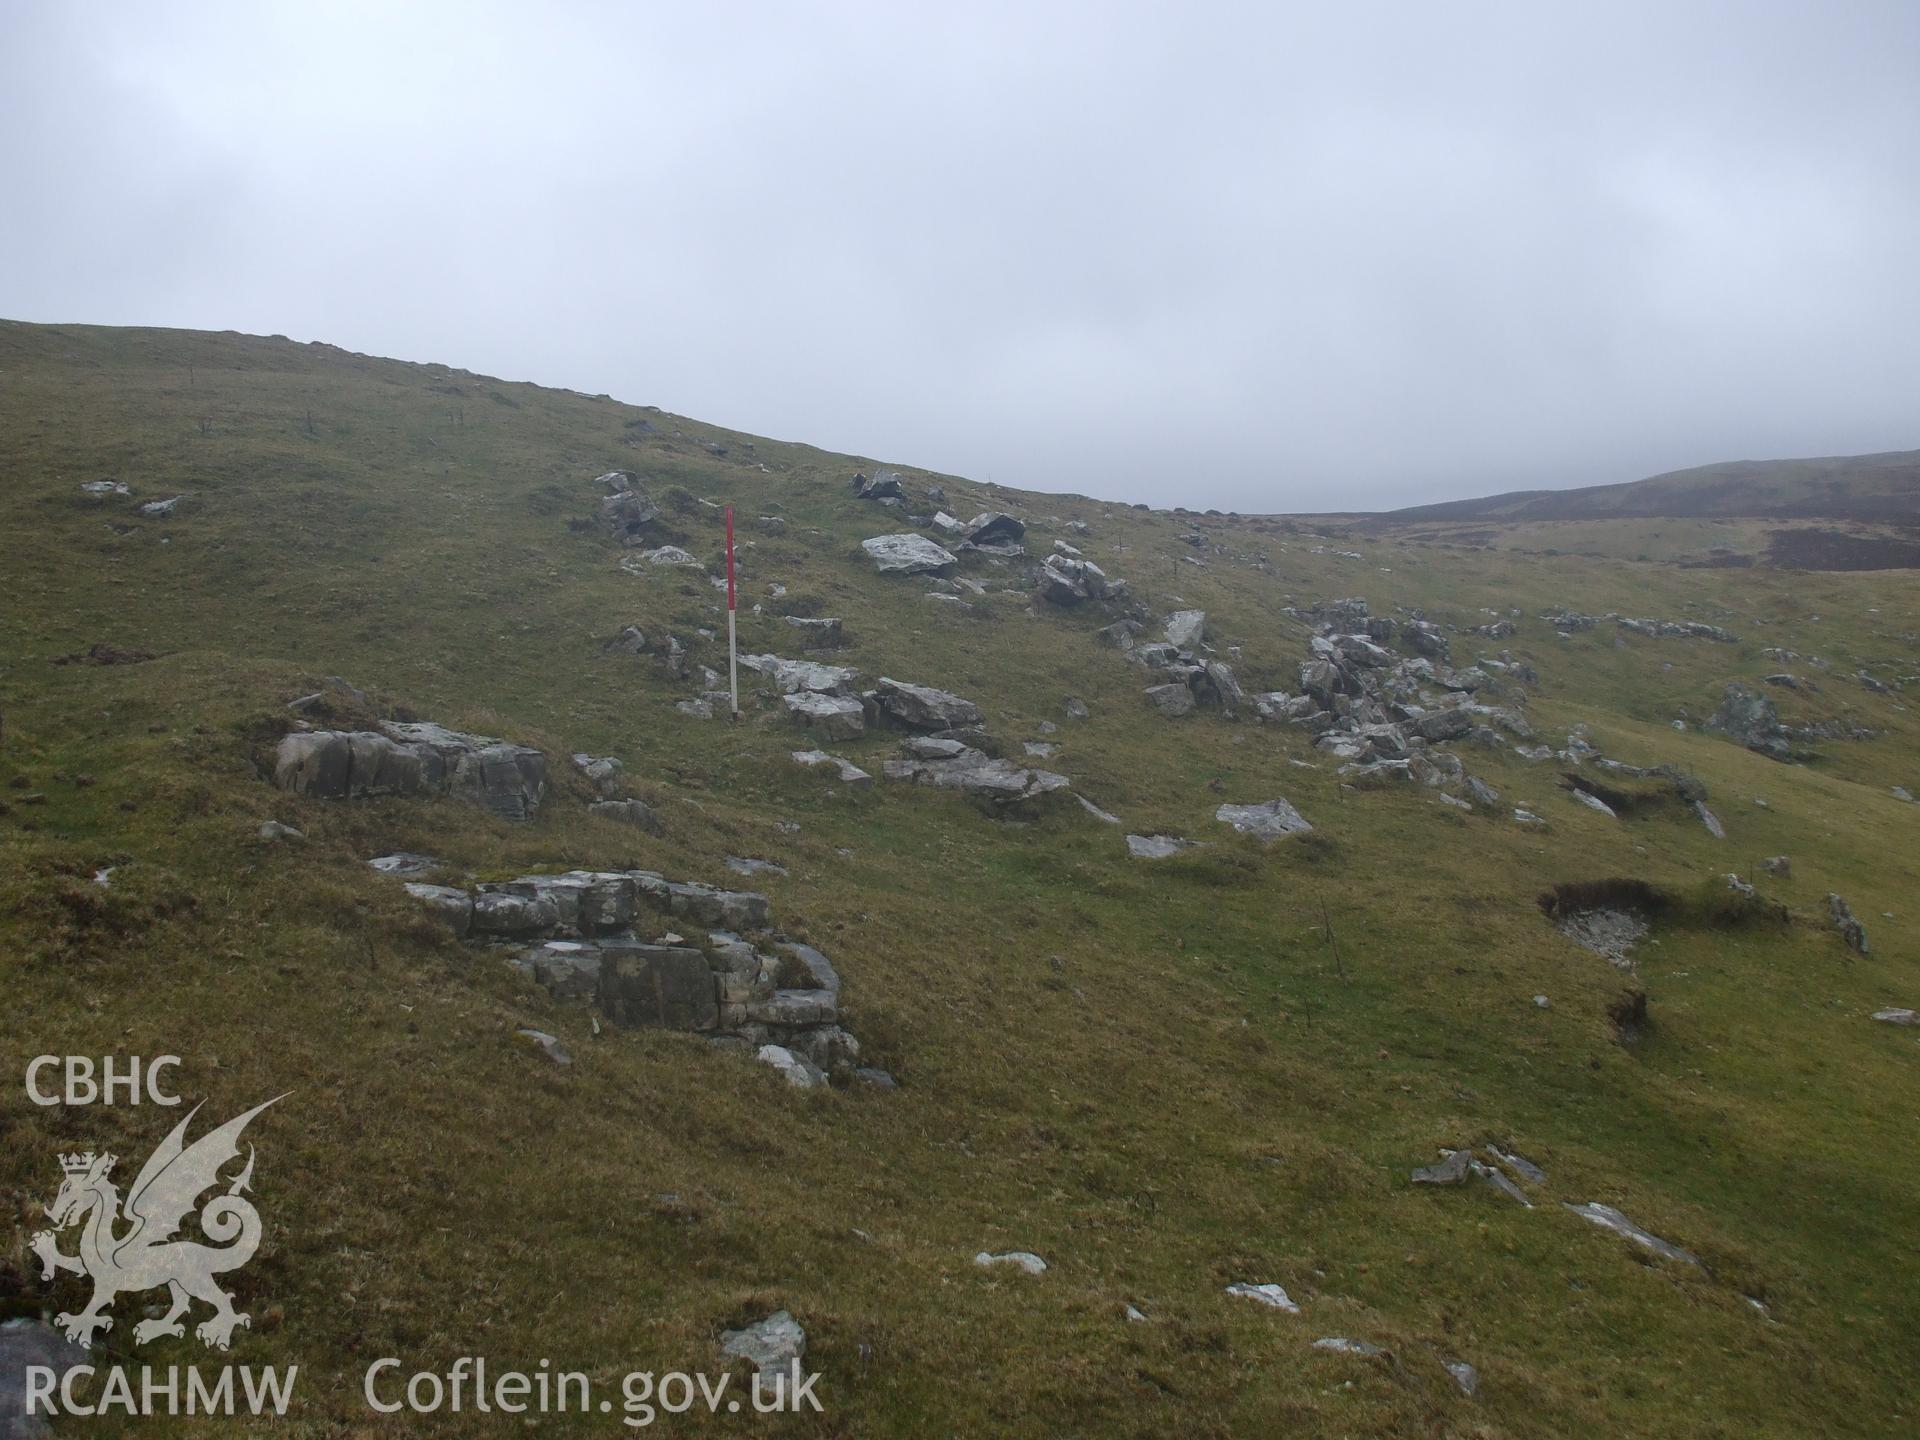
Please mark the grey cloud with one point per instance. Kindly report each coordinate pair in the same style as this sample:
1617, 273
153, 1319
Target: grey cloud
1251, 256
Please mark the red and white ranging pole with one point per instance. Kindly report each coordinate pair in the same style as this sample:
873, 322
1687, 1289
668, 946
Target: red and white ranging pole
733, 645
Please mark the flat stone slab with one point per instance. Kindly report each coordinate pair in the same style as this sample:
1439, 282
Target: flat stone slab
1608, 1218
1344, 1345
907, 554
1269, 1295
922, 707
404, 864
1025, 1260
848, 772
1270, 820
1156, 847
795, 676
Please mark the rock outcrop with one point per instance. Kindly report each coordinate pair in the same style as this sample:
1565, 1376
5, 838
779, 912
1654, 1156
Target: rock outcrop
1748, 716
951, 765
413, 759
586, 935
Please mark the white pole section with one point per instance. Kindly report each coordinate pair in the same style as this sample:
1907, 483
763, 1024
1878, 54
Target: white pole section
733, 644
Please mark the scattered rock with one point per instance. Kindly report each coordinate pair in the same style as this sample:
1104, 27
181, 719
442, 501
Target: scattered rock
627, 512
403, 863
743, 866
1709, 819
1593, 802
1171, 701
921, 707
1464, 1375
1748, 716
1519, 1164
628, 812
970, 770
1155, 847
1342, 1345
101, 489
671, 555
832, 717
274, 831
848, 772
1095, 811
1777, 865
773, 1346
1453, 1170
1185, 628
160, 509
1267, 1294
995, 527
1850, 928
819, 634
1605, 931
881, 485
1609, 1218
1897, 1017
1076, 709
1025, 1260
799, 1072
602, 771
792, 677
548, 1045
1270, 820
906, 554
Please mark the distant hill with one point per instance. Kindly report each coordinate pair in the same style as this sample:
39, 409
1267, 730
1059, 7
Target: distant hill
1842, 487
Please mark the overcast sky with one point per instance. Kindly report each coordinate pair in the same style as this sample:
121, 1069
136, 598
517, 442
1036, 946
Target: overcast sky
1258, 257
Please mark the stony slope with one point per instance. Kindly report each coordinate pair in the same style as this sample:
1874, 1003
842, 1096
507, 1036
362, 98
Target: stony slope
1165, 1077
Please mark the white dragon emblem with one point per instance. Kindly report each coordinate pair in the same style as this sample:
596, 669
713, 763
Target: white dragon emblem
146, 1255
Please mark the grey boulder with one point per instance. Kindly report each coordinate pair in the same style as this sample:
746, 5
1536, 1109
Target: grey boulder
1269, 821
772, 1346
906, 554
921, 707
832, 717
1185, 628
1172, 701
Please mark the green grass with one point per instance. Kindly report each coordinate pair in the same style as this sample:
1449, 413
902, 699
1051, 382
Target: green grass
1160, 1077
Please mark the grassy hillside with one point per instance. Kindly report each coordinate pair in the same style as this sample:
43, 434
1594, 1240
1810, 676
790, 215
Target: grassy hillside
1163, 1077
1841, 487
